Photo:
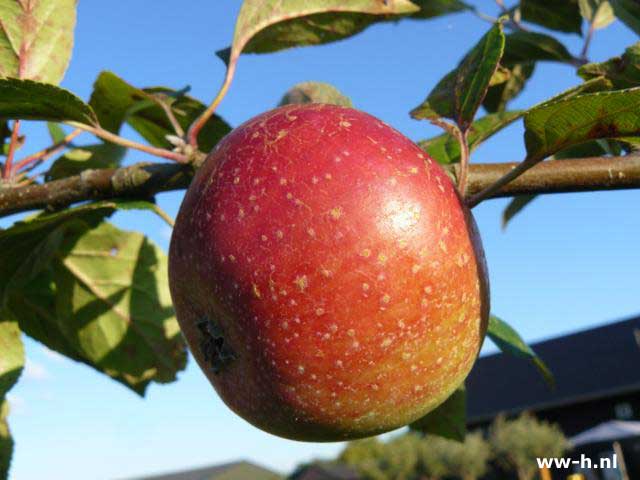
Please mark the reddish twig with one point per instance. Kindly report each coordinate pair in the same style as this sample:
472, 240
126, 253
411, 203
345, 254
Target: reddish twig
36, 158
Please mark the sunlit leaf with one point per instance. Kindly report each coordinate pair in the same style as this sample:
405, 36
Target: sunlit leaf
449, 420
529, 46
315, 92
113, 304
92, 292
597, 13
459, 94
445, 149
271, 25
29, 100
509, 341
552, 127
36, 38
561, 15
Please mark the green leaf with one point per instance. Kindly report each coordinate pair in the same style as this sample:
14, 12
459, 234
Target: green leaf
55, 132
445, 148
12, 358
5, 133
499, 96
270, 25
448, 420
11, 364
515, 206
459, 94
94, 293
115, 102
6, 442
73, 162
629, 12
529, 46
598, 13
315, 92
554, 126
509, 341
561, 15
36, 39
113, 304
27, 247
29, 100
436, 8
622, 72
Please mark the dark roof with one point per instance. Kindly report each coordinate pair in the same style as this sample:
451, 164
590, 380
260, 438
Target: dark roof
227, 471
587, 365
325, 471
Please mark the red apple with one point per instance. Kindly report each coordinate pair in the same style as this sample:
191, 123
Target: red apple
327, 276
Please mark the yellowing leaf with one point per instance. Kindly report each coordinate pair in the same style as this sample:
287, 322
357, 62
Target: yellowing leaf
36, 38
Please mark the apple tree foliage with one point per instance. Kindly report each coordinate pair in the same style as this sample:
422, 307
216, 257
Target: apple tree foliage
98, 294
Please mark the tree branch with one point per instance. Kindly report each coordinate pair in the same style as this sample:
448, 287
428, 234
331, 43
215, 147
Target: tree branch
144, 180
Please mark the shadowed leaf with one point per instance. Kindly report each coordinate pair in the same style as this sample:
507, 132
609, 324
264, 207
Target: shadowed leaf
11, 364
36, 38
445, 148
499, 96
554, 126
436, 8
116, 102
529, 46
29, 100
509, 341
6, 442
449, 420
561, 15
315, 92
629, 12
459, 94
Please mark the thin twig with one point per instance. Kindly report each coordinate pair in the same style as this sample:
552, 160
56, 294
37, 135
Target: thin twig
196, 126
38, 157
587, 42
113, 138
172, 118
13, 143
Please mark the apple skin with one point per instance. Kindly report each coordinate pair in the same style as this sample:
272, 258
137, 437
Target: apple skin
326, 275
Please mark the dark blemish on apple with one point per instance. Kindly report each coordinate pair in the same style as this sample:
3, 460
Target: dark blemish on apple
216, 351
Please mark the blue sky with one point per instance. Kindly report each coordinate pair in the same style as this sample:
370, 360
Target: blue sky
568, 262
